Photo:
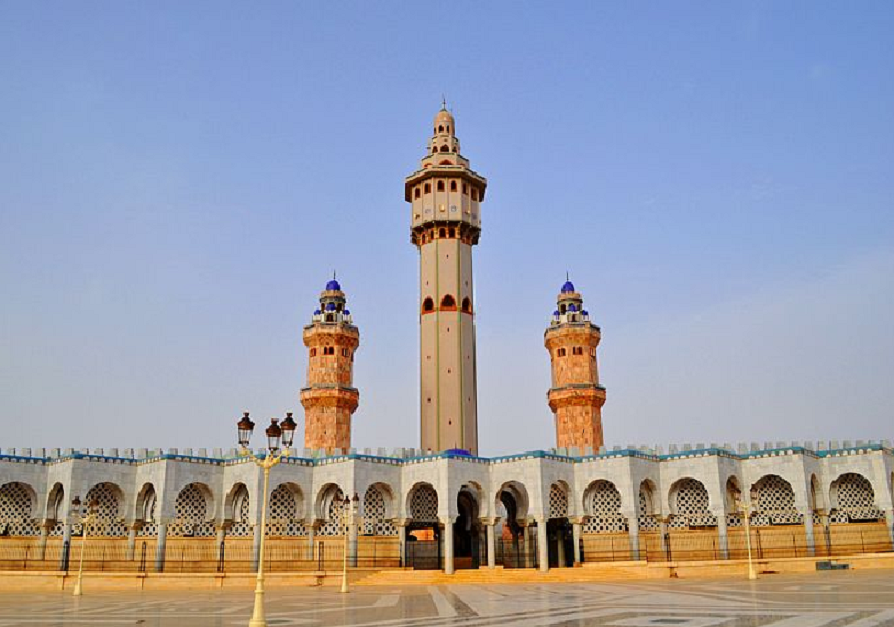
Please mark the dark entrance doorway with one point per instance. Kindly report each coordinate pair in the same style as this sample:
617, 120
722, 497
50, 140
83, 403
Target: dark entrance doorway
561, 543
467, 531
423, 546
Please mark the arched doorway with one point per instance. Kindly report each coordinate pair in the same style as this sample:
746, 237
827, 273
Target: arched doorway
467, 530
516, 547
423, 543
558, 528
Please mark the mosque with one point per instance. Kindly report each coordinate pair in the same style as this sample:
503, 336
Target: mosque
441, 505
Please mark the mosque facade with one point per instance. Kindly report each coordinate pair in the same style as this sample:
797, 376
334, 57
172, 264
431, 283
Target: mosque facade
442, 505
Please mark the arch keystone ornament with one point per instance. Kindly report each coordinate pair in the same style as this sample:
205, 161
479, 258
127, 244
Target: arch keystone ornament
445, 195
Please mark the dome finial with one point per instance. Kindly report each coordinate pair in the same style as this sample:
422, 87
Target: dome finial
443, 102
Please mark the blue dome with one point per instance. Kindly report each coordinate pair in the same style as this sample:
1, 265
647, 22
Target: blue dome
556, 313
585, 312
568, 287
317, 312
347, 312
333, 285
330, 306
572, 307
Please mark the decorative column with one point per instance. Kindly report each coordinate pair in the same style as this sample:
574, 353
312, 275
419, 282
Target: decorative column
220, 538
131, 540
576, 527
310, 527
808, 531
401, 525
722, 538
633, 535
542, 545
491, 543
889, 519
662, 532
42, 542
560, 547
161, 547
448, 546
256, 547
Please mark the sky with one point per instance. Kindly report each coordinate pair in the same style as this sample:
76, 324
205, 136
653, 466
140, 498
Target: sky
179, 180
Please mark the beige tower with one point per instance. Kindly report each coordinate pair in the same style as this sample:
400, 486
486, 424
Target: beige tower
575, 396
329, 399
446, 197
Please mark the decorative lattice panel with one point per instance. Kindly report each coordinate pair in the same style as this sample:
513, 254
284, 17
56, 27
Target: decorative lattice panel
558, 502
191, 508
691, 500
775, 503
647, 522
108, 520
374, 521
332, 526
603, 507
424, 504
733, 520
15, 511
150, 524
282, 519
241, 526
856, 500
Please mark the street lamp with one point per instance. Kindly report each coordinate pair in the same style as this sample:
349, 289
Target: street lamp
86, 517
348, 512
277, 435
746, 509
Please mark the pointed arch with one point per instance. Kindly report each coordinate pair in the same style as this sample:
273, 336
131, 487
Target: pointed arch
448, 303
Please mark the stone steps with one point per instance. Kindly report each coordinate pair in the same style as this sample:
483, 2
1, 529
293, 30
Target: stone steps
595, 572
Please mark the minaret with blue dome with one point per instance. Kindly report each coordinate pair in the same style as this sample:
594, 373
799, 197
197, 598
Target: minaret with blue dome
445, 197
330, 398
575, 395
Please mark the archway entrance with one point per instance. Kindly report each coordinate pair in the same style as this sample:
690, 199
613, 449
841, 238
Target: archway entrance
424, 534
517, 544
561, 543
467, 531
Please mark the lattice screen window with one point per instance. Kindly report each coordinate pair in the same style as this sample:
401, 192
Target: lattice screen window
241, 526
108, 520
15, 511
191, 508
733, 520
332, 526
604, 507
283, 519
856, 500
646, 521
558, 502
691, 499
150, 524
424, 504
775, 503
374, 521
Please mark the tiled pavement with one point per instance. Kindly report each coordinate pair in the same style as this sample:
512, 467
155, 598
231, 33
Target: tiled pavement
836, 599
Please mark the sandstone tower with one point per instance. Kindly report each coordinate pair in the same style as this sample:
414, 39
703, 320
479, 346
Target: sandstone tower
329, 398
446, 196
575, 397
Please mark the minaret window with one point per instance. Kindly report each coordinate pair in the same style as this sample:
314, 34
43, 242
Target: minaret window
467, 305
442, 233
474, 194
428, 188
416, 193
448, 303
465, 189
452, 186
428, 305
440, 129
440, 186
452, 232
313, 352
577, 350
444, 148
560, 352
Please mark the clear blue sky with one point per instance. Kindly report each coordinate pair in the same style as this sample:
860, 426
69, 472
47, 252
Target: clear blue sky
178, 180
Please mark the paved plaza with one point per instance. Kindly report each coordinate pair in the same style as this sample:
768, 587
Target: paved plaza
823, 599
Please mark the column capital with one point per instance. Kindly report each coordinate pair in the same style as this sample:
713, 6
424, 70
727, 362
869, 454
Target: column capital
447, 520
578, 520
493, 520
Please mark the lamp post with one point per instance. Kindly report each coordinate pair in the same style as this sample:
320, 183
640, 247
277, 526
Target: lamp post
746, 509
277, 435
86, 517
347, 514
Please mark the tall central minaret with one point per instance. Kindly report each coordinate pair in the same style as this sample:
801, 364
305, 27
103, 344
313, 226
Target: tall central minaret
446, 197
